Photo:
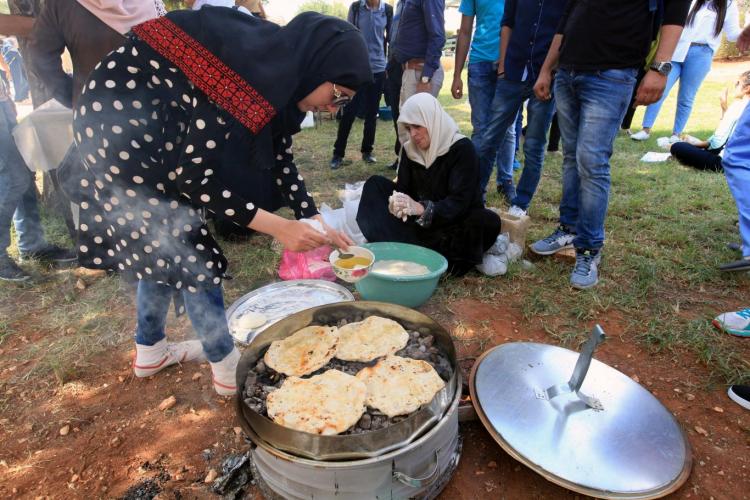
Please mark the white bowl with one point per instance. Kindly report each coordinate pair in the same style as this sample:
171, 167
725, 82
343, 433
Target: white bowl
357, 273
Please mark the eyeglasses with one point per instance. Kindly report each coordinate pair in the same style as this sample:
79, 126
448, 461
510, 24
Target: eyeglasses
339, 98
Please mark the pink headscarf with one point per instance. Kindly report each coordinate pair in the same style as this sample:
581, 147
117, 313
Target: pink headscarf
122, 15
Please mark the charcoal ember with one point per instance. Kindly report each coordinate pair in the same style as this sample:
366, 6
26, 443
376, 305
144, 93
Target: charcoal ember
379, 422
434, 350
422, 348
342, 322
236, 476
413, 335
365, 422
260, 367
427, 341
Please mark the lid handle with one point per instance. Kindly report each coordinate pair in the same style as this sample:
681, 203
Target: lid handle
579, 372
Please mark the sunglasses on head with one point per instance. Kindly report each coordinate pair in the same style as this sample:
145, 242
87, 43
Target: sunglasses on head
339, 98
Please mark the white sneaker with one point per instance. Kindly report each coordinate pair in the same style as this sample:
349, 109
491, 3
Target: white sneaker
493, 265
152, 359
225, 374
640, 136
517, 211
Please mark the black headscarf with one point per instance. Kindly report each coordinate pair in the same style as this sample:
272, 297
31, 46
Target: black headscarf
284, 64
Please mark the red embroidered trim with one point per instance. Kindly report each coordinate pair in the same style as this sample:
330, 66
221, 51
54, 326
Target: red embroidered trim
220, 83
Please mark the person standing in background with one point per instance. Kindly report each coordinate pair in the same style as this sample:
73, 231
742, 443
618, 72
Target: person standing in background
736, 164
692, 59
418, 47
394, 72
373, 18
482, 77
18, 201
14, 61
599, 48
527, 31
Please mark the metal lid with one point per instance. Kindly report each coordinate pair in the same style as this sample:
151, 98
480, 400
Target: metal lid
605, 436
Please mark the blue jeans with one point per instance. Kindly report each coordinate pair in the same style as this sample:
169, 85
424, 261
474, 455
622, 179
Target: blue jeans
17, 192
691, 74
204, 307
590, 108
737, 171
482, 84
508, 101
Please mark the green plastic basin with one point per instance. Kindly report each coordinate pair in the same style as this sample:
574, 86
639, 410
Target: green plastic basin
409, 291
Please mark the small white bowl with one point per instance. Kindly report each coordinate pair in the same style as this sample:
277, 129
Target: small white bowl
358, 272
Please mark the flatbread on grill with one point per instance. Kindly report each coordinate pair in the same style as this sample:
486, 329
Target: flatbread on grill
399, 386
370, 339
303, 352
325, 404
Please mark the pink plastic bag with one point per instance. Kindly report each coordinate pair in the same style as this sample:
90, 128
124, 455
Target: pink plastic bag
307, 265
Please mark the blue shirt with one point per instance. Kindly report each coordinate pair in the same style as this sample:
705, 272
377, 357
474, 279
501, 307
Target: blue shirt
372, 23
421, 33
486, 41
534, 24
737, 152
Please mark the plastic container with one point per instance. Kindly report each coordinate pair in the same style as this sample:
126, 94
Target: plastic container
385, 113
409, 291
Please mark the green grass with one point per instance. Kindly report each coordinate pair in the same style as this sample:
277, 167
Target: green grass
666, 232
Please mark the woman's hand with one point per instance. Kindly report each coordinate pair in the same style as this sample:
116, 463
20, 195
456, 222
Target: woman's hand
299, 237
403, 205
337, 238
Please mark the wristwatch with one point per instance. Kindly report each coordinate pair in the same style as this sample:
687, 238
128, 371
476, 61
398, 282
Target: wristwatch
663, 68
425, 79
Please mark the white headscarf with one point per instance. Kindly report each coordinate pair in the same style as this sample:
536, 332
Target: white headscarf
121, 15
424, 110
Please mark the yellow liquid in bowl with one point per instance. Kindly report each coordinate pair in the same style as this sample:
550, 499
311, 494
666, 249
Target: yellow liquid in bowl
352, 262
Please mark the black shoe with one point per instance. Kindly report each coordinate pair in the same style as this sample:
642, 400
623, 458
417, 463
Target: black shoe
51, 253
508, 190
336, 162
368, 158
740, 394
738, 265
9, 271
736, 247
394, 165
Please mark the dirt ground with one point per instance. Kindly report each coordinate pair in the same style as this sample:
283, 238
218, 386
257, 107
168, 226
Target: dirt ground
103, 434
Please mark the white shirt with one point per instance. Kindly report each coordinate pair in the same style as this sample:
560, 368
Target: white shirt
702, 30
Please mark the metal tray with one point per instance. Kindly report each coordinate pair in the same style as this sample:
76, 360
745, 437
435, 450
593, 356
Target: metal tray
279, 300
357, 446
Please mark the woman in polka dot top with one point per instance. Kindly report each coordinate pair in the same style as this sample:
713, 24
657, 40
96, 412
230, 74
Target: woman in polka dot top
153, 124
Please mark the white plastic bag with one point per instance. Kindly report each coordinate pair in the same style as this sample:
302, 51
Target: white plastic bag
345, 219
44, 136
309, 120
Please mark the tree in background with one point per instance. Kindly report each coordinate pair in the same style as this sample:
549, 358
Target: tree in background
336, 9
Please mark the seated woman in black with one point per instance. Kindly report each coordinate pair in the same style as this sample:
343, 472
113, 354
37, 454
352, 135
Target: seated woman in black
436, 201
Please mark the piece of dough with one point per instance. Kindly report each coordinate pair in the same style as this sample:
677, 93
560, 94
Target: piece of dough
369, 339
251, 320
399, 268
303, 352
325, 404
399, 386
